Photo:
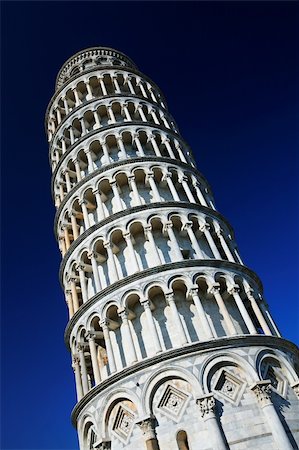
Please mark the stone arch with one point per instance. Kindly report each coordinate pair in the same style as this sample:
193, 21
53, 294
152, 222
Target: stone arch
160, 376
281, 360
116, 397
225, 359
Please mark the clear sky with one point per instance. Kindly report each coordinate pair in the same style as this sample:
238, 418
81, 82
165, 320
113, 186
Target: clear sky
228, 72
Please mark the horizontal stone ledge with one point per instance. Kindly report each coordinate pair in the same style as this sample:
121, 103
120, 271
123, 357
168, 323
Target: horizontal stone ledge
152, 206
126, 162
199, 347
213, 263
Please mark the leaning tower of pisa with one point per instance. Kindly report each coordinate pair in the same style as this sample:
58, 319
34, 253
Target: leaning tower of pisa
172, 342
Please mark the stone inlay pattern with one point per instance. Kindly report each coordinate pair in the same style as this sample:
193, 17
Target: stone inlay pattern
123, 424
229, 387
173, 402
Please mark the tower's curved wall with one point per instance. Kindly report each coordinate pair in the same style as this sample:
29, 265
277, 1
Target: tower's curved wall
172, 342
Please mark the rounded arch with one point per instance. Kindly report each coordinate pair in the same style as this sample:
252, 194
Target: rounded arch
265, 354
118, 395
214, 362
160, 376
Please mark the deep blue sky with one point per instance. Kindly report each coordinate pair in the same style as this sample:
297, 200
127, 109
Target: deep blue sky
228, 71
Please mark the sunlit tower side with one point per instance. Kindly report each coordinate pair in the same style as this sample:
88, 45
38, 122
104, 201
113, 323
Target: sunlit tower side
172, 342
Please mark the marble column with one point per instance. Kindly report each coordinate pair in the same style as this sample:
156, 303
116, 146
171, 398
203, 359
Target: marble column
94, 359
263, 390
207, 406
234, 291
85, 386
215, 290
130, 353
78, 381
151, 325
110, 355
147, 427
176, 318
201, 313
257, 311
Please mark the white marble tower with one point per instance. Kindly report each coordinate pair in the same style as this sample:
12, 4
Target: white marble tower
172, 342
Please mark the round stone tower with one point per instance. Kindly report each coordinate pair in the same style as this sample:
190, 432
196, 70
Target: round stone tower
172, 342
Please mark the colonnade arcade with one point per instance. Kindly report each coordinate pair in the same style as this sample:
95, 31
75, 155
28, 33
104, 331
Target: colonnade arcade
152, 276
118, 145
120, 251
177, 313
143, 411
94, 85
107, 194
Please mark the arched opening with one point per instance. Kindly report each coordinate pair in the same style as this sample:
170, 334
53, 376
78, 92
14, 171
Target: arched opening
182, 440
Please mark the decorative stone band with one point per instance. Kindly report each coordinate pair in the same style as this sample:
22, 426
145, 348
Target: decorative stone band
202, 347
88, 53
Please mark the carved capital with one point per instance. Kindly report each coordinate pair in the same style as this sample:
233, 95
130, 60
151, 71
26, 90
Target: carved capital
214, 289
206, 405
295, 386
122, 314
147, 427
263, 390
169, 296
234, 289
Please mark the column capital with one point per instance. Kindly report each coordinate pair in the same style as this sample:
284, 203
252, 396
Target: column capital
262, 390
90, 335
122, 313
147, 427
204, 227
206, 405
187, 225
169, 296
167, 225
193, 290
235, 289
104, 323
214, 288
107, 244
145, 302
75, 361
102, 444
295, 386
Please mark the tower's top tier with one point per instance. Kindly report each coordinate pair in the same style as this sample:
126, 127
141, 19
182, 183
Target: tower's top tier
89, 58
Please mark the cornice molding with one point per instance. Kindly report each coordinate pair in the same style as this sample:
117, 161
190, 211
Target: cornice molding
198, 348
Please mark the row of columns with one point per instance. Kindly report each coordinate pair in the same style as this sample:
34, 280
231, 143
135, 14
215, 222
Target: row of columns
127, 339
207, 405
156, 258
68, 176
58, 112
98, 207
262, 390
156, 116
